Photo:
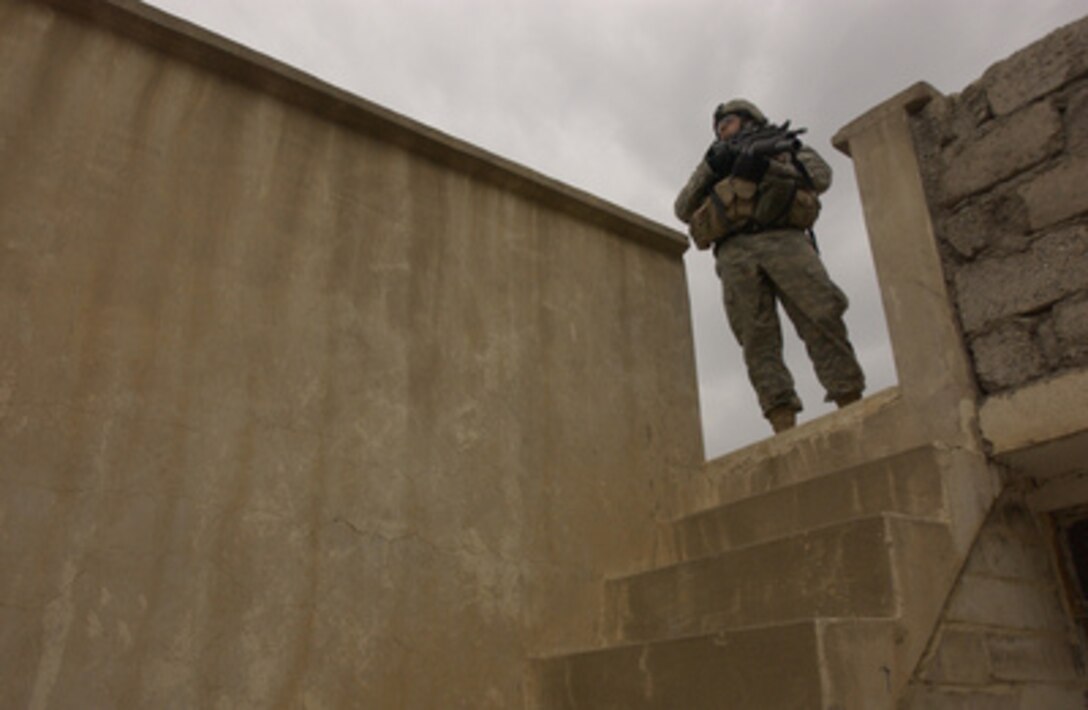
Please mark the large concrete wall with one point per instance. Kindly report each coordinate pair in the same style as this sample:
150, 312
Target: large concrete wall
302, 404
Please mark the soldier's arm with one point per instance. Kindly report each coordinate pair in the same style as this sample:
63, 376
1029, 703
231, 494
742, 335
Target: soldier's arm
693, 194
817, 169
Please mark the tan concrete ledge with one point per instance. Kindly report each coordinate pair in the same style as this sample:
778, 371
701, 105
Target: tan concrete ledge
877, 427
183, 40
1041, 429
911, 100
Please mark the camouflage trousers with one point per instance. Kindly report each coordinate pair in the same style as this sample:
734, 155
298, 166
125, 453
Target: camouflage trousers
756, 271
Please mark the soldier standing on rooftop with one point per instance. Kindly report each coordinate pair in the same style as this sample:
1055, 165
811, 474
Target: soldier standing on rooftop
753, 200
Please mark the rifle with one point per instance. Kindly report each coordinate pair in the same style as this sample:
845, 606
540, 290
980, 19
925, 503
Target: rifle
769, 140
761, 142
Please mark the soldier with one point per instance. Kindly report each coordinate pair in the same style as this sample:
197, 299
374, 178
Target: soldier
753, 200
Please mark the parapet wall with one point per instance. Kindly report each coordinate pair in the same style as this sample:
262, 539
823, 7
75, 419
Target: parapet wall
303, 404
1005, 165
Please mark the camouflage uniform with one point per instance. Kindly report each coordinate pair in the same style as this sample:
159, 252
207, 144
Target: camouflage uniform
757, 270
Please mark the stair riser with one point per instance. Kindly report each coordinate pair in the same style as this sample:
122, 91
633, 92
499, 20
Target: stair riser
843, 570
753, 669
908, 484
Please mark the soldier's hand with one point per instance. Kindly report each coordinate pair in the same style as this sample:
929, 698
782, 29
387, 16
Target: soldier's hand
750, 166
782, 165
720, 157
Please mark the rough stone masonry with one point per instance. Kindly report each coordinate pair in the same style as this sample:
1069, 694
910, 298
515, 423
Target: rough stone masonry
1006, 165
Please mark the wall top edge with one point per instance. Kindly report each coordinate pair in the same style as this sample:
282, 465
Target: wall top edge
838, 422
910, 100
1036, 413
188, 42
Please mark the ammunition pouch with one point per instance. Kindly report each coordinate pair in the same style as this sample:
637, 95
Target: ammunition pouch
726, 211
773, 202
736, 205
804, 209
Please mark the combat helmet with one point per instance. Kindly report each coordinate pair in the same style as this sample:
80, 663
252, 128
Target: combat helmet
741, 106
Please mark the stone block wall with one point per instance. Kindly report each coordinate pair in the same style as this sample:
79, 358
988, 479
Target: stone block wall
1005, 640
1005, 164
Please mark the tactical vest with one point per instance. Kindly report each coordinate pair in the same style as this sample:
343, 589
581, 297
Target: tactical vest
737, 206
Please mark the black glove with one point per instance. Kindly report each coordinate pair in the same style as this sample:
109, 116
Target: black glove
720, 157
750, 167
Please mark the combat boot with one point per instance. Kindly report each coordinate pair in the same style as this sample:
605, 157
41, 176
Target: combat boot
782, 418
844, 399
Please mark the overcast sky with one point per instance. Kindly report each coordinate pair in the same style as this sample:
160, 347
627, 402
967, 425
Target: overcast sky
614, 97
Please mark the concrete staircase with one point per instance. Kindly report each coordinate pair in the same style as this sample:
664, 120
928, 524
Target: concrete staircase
816, 592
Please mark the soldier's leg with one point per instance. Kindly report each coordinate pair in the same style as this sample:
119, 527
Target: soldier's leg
816, 307
750, 308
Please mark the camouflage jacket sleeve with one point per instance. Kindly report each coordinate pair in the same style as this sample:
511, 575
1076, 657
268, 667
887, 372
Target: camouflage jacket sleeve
693, 194
816, 167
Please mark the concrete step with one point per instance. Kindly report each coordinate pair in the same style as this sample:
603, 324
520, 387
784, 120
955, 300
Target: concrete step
845, 570
878, 427
759, 668
1021, 696
908, 483
818, 664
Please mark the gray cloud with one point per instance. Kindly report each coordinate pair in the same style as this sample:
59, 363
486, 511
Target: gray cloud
614, 97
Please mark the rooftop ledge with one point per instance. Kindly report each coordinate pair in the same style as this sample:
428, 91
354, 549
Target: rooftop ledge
875, 427
189, 43
1042, 428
